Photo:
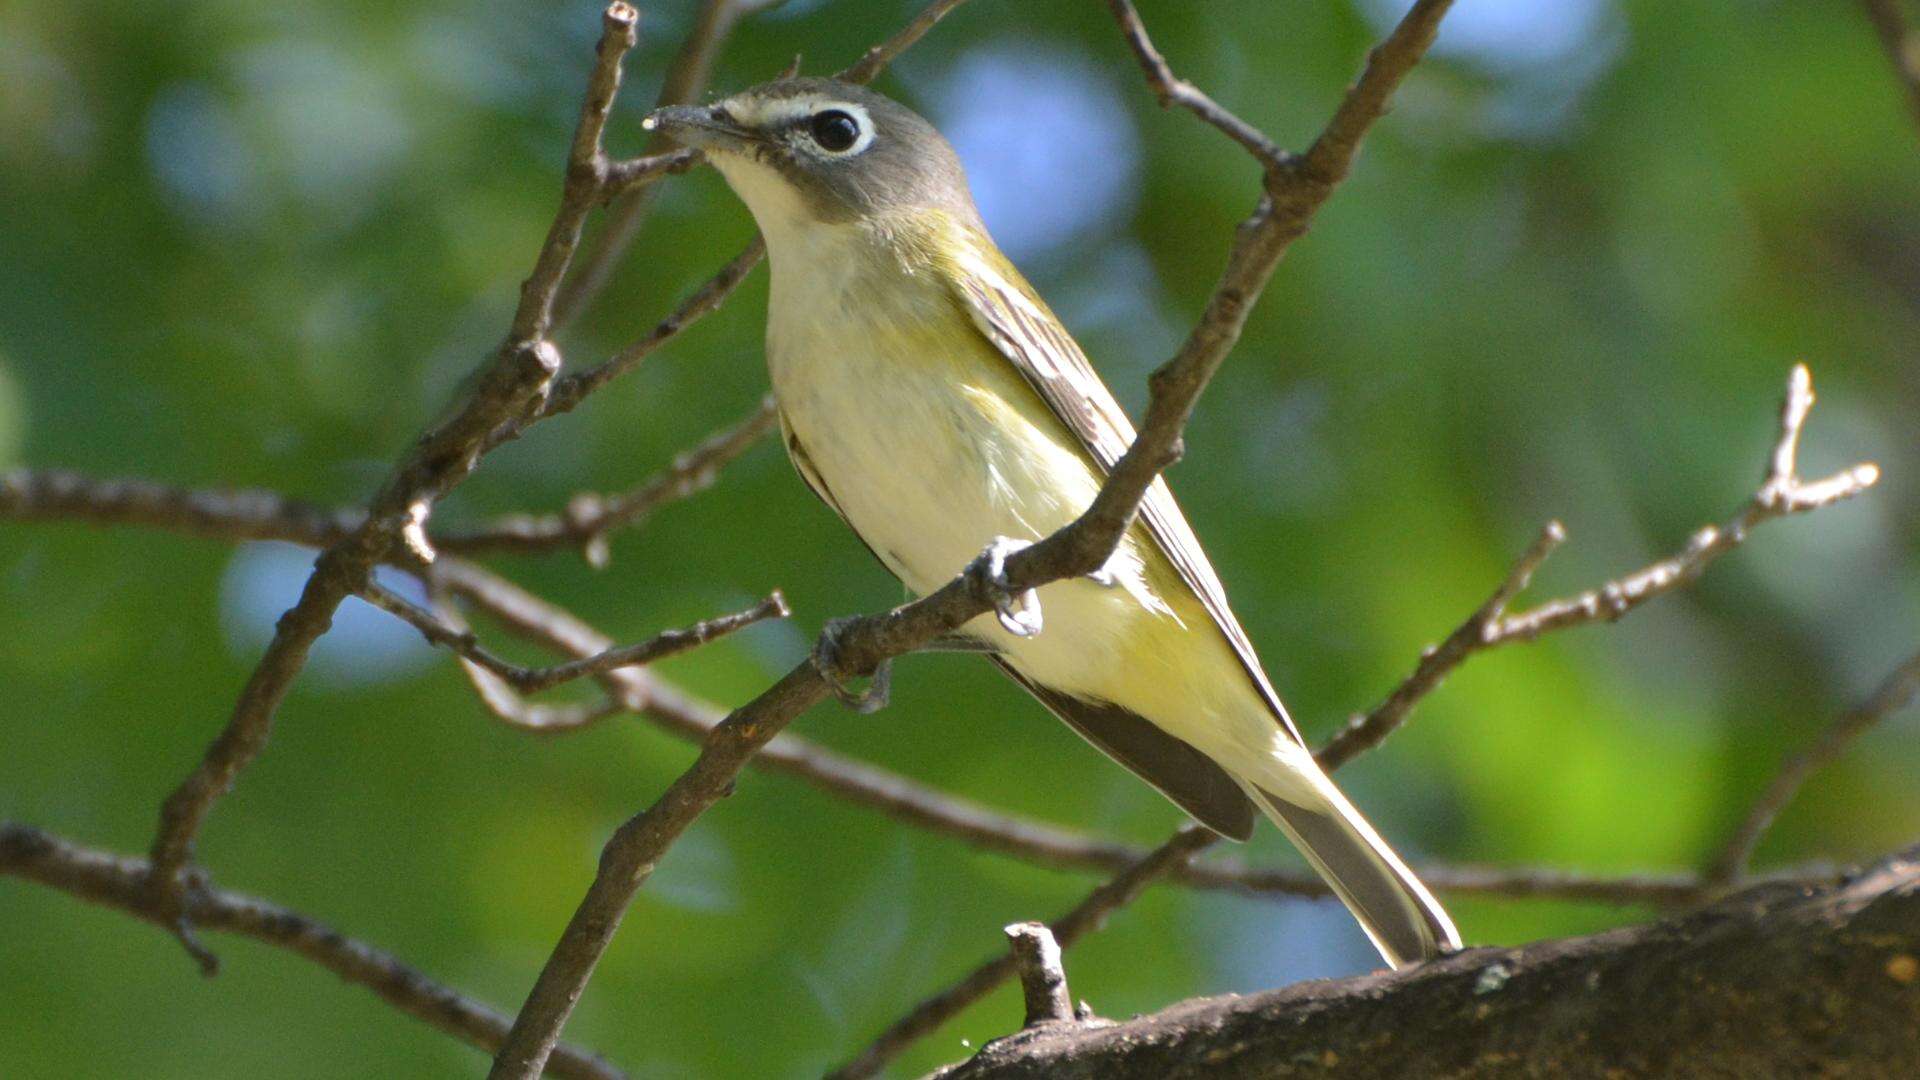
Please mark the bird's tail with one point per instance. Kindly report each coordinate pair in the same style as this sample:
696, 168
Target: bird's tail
1400, 916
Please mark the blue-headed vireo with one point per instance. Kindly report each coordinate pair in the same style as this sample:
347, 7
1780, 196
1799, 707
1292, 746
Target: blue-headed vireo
929, 397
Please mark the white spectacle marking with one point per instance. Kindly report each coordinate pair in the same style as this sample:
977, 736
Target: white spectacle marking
774, 112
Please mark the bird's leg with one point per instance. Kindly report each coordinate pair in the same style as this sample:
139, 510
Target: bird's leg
826, 660
1019, 612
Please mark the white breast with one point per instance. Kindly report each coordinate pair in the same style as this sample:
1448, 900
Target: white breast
901, 451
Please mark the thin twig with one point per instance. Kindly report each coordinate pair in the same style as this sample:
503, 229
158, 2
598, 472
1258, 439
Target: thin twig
1043, 978
54, 495
570, 391
1781, 493
120, 882
1367, 731
1902, 46
589, 518
629, 174
1085, 917
628, 182
533, 680
265, 516
875, 60
1173, 90
1896, 692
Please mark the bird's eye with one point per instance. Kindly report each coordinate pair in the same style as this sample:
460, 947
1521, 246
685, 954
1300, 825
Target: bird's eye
834, 130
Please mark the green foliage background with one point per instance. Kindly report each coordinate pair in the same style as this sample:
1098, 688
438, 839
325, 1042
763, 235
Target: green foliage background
259, 244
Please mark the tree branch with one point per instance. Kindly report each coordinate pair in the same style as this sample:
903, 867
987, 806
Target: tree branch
1781, 493
589, 518
55, 495
1896, 692
1902, 47
509, 385
570, 391
1043, 981
121, 883
1365, 732
533, 680
1085, 917
1173, 90
875, 60
687, 77
858, 647
259, 515
1775, 981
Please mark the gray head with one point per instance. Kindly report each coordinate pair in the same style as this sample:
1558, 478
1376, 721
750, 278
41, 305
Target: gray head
812, 150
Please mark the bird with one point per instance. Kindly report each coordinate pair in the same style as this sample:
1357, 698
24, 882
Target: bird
931, 399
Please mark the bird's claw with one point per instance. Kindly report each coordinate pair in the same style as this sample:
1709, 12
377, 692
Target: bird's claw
1019, 612
826, 660
1104, 576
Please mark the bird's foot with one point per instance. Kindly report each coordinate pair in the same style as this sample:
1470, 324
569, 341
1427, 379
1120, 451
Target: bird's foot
1019, 612
1105, 576
826, 660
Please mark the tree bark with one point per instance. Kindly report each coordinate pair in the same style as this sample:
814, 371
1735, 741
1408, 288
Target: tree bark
1778, 980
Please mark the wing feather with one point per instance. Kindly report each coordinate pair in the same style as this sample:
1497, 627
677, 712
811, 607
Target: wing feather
1018, 323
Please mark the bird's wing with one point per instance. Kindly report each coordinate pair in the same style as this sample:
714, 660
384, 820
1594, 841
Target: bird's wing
1014, 318
803, 465
1184, 775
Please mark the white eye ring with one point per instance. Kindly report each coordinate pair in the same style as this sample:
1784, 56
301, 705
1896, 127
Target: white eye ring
834, 131
820, 112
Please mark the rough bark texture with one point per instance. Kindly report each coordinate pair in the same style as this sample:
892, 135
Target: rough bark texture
1776, 981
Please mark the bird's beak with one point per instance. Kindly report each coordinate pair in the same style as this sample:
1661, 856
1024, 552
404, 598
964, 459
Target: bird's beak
707, 127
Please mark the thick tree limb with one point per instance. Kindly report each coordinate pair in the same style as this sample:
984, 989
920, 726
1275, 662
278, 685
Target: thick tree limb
120, 882
1776, 981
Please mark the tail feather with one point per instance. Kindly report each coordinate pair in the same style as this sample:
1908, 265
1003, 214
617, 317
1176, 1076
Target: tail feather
1399, 915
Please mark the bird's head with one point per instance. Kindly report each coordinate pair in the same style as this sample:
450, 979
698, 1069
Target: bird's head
808, 151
